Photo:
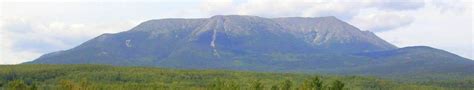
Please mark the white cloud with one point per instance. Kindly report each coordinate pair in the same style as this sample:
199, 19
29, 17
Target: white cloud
8, 56
25, 39
395, 5
451, 31
98, 0
213, 7
381, 21
343, 11
457, 6
292, 8
273, 8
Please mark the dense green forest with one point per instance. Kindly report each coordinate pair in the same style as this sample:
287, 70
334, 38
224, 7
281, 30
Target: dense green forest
94, 77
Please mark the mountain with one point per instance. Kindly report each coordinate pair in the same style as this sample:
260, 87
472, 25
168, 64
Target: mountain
290, 44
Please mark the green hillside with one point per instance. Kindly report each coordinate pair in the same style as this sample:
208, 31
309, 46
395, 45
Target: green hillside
93, 77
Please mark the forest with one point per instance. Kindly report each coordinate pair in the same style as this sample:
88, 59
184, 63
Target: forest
106, 77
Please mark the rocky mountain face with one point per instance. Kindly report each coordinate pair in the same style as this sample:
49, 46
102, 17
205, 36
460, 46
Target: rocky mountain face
334, 34
321, 44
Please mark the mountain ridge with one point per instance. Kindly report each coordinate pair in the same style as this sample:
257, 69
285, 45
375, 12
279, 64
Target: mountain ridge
322, 44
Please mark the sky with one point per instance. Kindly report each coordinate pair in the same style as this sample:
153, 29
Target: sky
31, 28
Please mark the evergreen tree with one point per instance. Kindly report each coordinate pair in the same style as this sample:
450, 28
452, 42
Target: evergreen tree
337, 85
218, 84
286, 85
316, 83
84, 84
33, 87
274, 87
11, 75
66, 85
312, 84
17, 85
257, 85
231, 85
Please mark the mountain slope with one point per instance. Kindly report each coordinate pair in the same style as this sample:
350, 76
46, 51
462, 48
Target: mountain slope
323, 44
332, 33
417, 58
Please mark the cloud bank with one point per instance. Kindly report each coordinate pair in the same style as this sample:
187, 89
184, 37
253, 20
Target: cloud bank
23, 39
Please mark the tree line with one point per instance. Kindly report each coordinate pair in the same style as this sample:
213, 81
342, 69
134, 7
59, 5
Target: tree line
102, 77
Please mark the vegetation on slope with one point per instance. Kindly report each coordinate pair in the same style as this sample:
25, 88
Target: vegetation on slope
93, 77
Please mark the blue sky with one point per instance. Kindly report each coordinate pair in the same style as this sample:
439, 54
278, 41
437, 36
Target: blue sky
30, 28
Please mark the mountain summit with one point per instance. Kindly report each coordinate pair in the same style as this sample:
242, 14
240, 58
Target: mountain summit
321, 44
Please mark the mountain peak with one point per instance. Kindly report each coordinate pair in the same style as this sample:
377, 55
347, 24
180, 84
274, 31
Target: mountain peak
330, 18
232, 16
418, 47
